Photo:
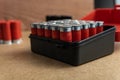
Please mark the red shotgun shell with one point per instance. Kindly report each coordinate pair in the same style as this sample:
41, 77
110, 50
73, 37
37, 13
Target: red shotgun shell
66, 33
16, 34
1, 31
85, 31
48, 31
99, 25
7, 33
34, 28
55, 31
76, 33
41, 30
92, 28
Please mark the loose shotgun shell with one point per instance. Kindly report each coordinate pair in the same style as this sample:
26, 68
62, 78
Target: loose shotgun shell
48, 30
34, 28
41, 30
55, 31
1, 32
92, 28
76, 33
85, 31
99, 25
16, 34
7, 33
66, 33
1, 36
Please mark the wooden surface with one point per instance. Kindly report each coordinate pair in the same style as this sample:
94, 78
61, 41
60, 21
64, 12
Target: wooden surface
29, 11
17, 62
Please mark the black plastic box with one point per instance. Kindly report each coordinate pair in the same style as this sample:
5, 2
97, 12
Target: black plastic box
77, 53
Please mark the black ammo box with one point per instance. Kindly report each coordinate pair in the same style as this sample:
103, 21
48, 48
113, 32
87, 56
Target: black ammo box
76, 53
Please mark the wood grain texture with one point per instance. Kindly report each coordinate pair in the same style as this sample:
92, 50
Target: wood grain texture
35, 10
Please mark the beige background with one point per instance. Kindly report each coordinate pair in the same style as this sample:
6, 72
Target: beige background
17, 62
29, 11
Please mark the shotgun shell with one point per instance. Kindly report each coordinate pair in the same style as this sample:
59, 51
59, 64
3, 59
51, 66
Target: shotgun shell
16, 34
7, 39
76, 33
67, 21
41, 30
50, 22
92, 28
48, 30
59, 22
66, 33
99, 25
82, 22
74, 22
1, 32
34, 28
55, 31
85, 31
